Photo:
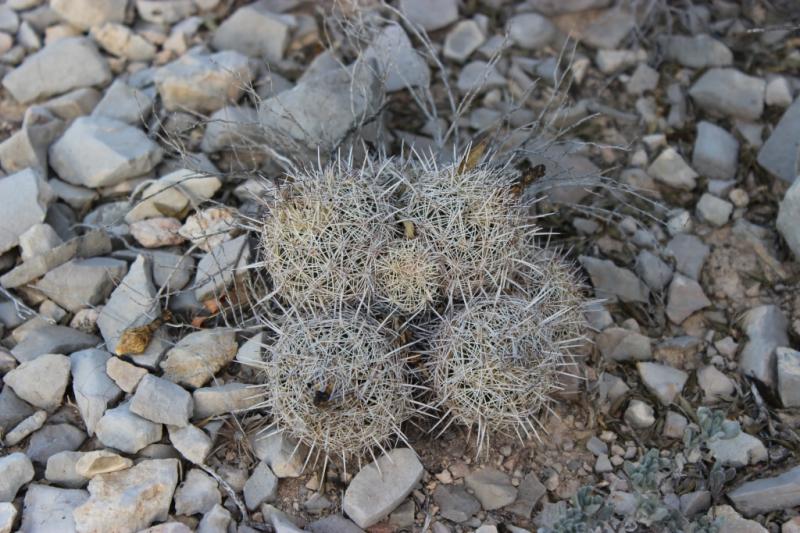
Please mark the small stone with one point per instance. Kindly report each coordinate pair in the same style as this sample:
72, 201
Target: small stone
198, 494
492, 488
530, 491
788, 376
340, 524
778, 92
81, 283
609, 29
166, 12
610, 61
727, 91
210, 227
767, 329
173, 194
430, 14
84, 14
741, 450
716, 152
191, 441
162, 401
24, 198
26, 427
157, 232
100, 462
768, 494
479, 76
611, 280
780, 155
254, 31
171, 270
644, 79
685, 297
663, 381
219, 268
696, 502
788, 222
123, 430
732, 522
653, 270
37, 240
455, 503
216, 520
8, 514
620, 344
50, 508
530, 31
92, 387
129, 500
27, 147
603, 464
713, 210
379, 488
121, 41
60, 67
125, 103
61, 469
462, 40
42, 381
671, 169
280, 452
697, 51
12, 409
15, 471
716, 385
261, 487
232, 127
198, 356
125, 375
639, 415
674, 425
690, 253
222, 399
52, 439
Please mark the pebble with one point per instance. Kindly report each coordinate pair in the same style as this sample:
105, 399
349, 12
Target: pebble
768, 494
165, 12
98, 462
50, 508
639, 415
462, 40
27, 147
788, 364
610, 280
727, 91
210, 227
697, 51
255, 31
780, 154
653, 270
26, 427
788, 222
280, 452
716, 385
83, 14
121, 41
609, 29
479, 76
157, 232
92, 387
220, 267
12, 409
222, 399
778, 92
125, 103
16, 470
430, 14
611, 61
124, 374
380, 487
231, 127
24, 199
713, 210
663, 381
173, 193
732, 522
529, 492
620, 344
603, 464
42, 381
58, 68
716, 152
197, 494
261, 487
491, 487
52, 439
198, 356
767, 329
171, 269
685, 297
741, 450
455, 503
690, 254
530, 31
61, 469
131, 499
671, 169
216, 520
644, 79
81, 283
674, 425
125, 431
191, 442
8, 514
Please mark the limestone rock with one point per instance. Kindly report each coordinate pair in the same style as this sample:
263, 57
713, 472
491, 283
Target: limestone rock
84, 14
24, 198
121, 429
100, 462
82, 283
162, 401
15, 471
50, 509
255, 31
42, 381
199, 355
92, 387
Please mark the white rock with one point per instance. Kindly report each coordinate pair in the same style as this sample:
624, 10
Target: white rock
479, 76
685, 296
42, 381
780, 155
732, 522
197, 494
173, 193
121, 41
15, 471
198, 356
716, 152
664, 382
100, 462
25, 428
82, 283
216, 520
125, 375
788, 376
61, 470
50, 509
643, 79
639, 415
165, 12
380, 487
24, 198
261, 487
8, 514
778, 92
462, 40
254, 31
727, 91
768, 494
697, 51
530, 30
402, 66
766, 328
219, 268
430, 14
739, 451
92, 387
162, 401
124, 103
125, 431
610, 280
129, 500
223, 399
191, 441
232, 127
27, 147
671, 169
84, 14
37, 240
713, 210
788, 222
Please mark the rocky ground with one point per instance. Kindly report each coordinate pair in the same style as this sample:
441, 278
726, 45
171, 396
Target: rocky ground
687, 418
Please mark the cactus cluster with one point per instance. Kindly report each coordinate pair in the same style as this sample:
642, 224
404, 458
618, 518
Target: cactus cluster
406, 276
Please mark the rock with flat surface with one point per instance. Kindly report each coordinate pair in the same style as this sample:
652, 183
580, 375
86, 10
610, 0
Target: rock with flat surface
24, 198
15, 471
125, 431
52, 339
124, 374
82, 283
455, 503
198, 356
53, 439
61, 470
191, 442
788, 376
42, 381
256, 32
99, 151
197, 494
83, 14
715, 384
220, 267
27, 147
767, 329
430, 14
100, 462
780, 155
768, 494
741, 450
696, 51
261, 487
280, 452
231, 127
685, 296
690, 254
609, 29
217, 519
162, 401
25, 428
788, 222
165, 12
653, 270
671, 169
222, 399
716, 152
60, 67
380, 487
122, 41
173, 193
462, 40
129, 500
50, 509
729, 92
401, 64
37, 240
530, 31
125, 103
620, 344
492, 488
8, 514
663, 381
12, 410
713, 210
610, 280
92, 387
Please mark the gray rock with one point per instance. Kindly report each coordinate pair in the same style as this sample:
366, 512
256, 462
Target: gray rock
768, 494
203, 83
430, 14
653, 270
620, 344
788, 222
766, 328
15, 471
399, 62
223, 399
25, 428
778, 92
42, 381
609, 29
27, 147
165, 12
716, 152
280, 452
455, 503
479, 76
255, 31
197, 494
492, 488
24, 198
191, 442
381, 486
98, 151
334, 524
73, 104
462, 40
52, 439
559, 7
639, 415
780, 155
671, 169
52, 339
727, 91
124, 103
697, 51
232, 127
609, 280
162, 401
713, 210
663, 381
261, 487
92, 387
715, 384
83, 14
37, 240
61, 470
125, 431
674, 425
9, 20
12, 410
124, 374
198, 356
741, 450
50, 509
643, 79
696, 502
530, 31
173, 193
216, 520
685, 297
788, 376
172, 270
82, 282
129, 500
530, 491
122, 41
132, 304
690, 254
220, 267
72, 63
8, 514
